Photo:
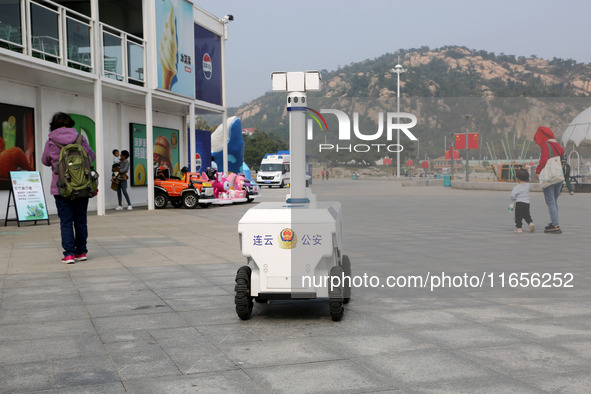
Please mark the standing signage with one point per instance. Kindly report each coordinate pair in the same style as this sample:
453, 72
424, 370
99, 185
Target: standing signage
29, 200
208, 66
166, 152
174, 35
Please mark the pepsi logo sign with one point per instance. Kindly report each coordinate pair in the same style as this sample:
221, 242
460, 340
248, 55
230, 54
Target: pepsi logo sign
207, 66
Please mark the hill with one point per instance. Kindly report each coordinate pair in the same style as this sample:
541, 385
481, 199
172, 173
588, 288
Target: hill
507, 97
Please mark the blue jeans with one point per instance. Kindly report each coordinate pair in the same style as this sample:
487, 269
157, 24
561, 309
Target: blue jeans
551, 194
122, 188
73, 212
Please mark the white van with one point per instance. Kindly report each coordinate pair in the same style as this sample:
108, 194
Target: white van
274, 170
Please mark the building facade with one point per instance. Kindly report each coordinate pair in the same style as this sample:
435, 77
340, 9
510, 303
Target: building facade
119, 68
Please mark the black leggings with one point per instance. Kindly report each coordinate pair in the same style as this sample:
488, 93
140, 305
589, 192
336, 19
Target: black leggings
521, 213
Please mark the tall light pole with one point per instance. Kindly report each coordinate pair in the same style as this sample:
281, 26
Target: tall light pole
225, 20
467, 168
398, 69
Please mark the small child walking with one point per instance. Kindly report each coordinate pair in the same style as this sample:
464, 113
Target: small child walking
520, 197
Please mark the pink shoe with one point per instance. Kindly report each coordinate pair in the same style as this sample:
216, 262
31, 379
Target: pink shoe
518, 230
69, 259
81, 257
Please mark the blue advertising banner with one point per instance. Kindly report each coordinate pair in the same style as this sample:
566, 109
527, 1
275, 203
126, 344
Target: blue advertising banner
174, 32
202, 150
208, 66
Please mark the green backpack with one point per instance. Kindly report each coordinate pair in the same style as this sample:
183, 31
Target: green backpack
76, 176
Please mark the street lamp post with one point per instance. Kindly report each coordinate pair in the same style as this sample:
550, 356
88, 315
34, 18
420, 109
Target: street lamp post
467, 167
398, 69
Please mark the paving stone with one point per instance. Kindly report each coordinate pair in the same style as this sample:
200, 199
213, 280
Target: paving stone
130, 327
573, 382
81, 371
191, 351
278, 352
48, 329
35, 376
525, 359
218, 382
423, 367
25, 351
141, 359
319, 377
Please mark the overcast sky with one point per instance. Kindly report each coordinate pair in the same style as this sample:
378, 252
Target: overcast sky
276, 35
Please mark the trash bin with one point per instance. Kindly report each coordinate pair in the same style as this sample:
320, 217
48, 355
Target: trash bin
446, 180
438, 176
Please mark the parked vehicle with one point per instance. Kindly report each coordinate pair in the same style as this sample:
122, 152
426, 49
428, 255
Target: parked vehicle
274, 170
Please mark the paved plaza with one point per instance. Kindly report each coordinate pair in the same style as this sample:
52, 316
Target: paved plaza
152, 309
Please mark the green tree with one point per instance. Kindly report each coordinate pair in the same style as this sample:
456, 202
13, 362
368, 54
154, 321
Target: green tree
260, 143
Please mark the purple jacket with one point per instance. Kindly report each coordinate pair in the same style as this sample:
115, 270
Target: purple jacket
51, 153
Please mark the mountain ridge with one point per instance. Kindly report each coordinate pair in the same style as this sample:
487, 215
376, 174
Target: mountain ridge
440, 85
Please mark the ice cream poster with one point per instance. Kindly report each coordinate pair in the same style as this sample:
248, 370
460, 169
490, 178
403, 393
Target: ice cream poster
28, 195
166, 152
174, 37
17, 141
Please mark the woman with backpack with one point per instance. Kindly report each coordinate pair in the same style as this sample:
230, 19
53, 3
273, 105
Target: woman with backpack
545, 139
72, 212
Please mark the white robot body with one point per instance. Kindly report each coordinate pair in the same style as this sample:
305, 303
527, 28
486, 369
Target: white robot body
293, 248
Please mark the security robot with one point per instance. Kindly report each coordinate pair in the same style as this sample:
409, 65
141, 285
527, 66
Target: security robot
293, 249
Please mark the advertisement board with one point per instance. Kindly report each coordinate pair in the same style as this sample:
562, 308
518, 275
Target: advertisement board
28, 195
17, 141
202, 150
208, 66
85, 126
174, 35
166, 152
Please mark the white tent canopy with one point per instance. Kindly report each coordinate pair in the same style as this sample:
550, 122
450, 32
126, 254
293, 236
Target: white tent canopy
579, 130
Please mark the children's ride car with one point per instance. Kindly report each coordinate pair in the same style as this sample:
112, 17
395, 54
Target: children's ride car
189, 191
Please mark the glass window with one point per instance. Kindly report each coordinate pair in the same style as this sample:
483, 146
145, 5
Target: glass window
78, 42
135, 56
113, 59
268, 167
44, 32
10, 21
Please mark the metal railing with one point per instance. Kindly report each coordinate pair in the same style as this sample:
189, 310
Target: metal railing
123, 55
54, 33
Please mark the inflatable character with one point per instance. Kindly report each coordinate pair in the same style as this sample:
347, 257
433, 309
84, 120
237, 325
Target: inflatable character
235, 145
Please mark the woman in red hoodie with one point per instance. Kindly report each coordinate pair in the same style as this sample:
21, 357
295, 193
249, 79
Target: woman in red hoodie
544, 137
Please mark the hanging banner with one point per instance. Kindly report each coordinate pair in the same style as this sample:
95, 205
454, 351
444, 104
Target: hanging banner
166, 152
28, 195
460, 141
174, 34
208, 66
202, 150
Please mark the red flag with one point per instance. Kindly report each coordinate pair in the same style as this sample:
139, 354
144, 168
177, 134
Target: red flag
424, 164
409, 163
460, 141
447, 155
473, 140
